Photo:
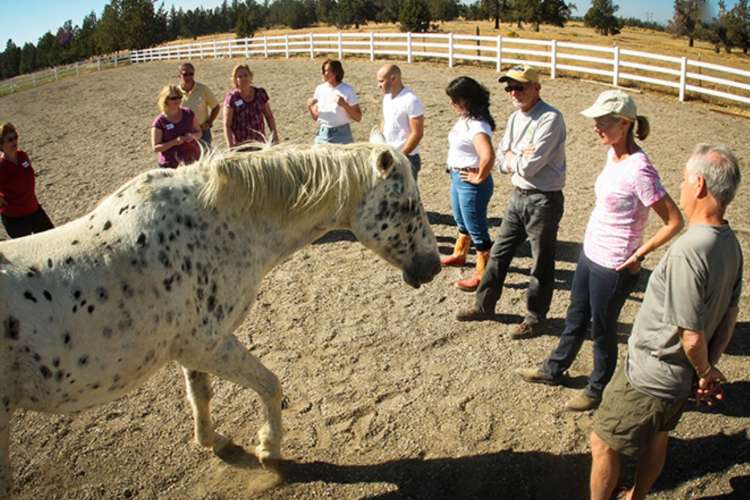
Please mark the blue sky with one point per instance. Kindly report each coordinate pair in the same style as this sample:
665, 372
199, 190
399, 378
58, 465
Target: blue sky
27, 20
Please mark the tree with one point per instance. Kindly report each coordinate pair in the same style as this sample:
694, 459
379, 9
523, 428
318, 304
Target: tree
27, 63
11, 60
601, 16
537, 12
687, 16
739, 25
250, 18
443, 10
354, 12
496, 9
414, 16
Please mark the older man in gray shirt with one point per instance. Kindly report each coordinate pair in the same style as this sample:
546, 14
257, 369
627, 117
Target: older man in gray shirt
686, 321
533, 151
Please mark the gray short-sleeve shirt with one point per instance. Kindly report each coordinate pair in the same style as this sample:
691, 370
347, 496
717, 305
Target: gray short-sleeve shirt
692, 287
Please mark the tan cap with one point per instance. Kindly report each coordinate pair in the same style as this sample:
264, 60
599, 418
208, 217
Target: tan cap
612, 102
523, 74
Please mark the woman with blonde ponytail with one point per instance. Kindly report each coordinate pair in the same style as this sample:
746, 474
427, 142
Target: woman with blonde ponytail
613, 248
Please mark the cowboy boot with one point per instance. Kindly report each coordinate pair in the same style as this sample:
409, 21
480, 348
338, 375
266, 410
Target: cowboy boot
471, 284
460, 251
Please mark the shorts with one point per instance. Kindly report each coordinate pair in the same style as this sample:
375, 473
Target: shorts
628, 420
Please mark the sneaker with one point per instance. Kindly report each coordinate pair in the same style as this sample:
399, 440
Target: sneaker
537, 376
473, 314
525, 330
582, 402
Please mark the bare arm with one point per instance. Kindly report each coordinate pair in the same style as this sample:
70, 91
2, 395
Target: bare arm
211, 118
673, 223
709, 377
722, 335
312, 108
354, 111
486, 154
271, 122
228, 135
160, 147
416, 125
196, 133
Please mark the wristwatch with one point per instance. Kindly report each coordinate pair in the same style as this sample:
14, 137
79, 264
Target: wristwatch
640, 258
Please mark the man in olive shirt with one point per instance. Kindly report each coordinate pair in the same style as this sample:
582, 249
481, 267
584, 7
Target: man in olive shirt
199, 99
685, 322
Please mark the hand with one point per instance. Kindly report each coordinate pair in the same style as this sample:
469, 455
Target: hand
709, 389
633, 265
529, 151
206, 126
508, 168
188, 138
311, 102
341, 101
471, 177
178, 140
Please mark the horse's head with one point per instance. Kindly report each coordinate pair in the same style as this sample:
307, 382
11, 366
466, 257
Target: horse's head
391, 221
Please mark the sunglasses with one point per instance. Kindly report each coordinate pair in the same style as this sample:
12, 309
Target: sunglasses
174, 98
10, 137
187, 74
518, 87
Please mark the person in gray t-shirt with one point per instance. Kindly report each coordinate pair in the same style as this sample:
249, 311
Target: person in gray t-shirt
686, 321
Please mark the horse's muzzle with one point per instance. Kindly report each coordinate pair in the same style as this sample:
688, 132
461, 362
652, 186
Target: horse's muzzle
422, 269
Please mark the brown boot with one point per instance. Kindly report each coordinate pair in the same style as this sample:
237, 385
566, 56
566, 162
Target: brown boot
471, 284
460, 251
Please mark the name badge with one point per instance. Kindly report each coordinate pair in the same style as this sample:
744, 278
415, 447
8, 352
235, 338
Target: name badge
169, 126
239, 104
25, 164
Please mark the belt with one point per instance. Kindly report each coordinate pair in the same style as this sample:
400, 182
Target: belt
534, 191
466, 169
334, 128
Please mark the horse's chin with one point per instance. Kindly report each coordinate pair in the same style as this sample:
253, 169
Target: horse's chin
411, 280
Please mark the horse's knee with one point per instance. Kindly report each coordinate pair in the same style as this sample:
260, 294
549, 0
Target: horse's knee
199, 385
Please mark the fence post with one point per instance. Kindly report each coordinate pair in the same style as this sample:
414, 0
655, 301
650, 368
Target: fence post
229, 46
499, 49
265, 46
372, 46
408, 48
341, 49
450, 49
312, 46
78, 71
553, 59
214, 44
286, 45
616, 67
33, 79
683, 78
55, 72
247, 47
115, 59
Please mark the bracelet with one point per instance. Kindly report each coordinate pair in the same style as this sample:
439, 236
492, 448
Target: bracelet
639, 258
708, 370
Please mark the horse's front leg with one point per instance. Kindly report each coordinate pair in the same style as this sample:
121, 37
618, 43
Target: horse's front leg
199, 394
231, 361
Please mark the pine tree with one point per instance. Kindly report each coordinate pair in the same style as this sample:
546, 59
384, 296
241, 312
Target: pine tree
414, 16
687, 16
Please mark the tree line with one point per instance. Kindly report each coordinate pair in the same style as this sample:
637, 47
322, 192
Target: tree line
138, 24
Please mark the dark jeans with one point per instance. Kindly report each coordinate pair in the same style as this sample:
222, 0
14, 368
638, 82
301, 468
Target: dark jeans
416, 164
534, 215
16, 227
206, 136
597, 297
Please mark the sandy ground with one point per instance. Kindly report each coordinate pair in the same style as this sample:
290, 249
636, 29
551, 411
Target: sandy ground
389, 396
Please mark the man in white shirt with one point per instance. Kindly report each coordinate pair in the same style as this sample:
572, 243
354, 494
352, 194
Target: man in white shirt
403, 115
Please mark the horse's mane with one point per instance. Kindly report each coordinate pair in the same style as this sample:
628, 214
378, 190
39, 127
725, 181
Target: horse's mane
291, 178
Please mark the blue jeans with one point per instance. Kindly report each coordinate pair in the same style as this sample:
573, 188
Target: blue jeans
534, 215
206, 136
334, 135
416, 164
597, 297
469, 202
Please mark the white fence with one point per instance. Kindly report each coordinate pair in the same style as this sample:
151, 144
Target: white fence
620, 66
31, 80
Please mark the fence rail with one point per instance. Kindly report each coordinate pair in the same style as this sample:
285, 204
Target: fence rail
31, 80
616, 65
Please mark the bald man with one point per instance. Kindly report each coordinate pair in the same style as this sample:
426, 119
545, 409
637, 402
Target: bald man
403, 115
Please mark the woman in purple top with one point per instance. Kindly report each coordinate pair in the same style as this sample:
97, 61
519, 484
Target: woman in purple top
246, 109
175, 131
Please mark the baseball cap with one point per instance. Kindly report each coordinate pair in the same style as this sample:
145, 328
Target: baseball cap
614, 102
523, 74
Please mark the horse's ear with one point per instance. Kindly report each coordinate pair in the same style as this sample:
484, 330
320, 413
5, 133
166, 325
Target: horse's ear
376, 137
384, 162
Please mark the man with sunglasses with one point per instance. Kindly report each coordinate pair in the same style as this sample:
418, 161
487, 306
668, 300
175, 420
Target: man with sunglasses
199, 99
533, 151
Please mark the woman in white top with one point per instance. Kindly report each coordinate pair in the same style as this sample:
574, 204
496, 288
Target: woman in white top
470, 159
334, 105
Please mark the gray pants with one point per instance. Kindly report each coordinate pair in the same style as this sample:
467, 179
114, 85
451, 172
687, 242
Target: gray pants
534, 215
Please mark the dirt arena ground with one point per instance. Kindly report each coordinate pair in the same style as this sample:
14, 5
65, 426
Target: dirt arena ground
389, 397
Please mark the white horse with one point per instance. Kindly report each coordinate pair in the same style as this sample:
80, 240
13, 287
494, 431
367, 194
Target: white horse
168, 266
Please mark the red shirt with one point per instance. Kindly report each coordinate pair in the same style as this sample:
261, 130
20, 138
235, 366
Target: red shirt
17, 185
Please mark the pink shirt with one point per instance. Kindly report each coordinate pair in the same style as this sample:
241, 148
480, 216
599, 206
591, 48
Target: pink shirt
624, 193
247, 119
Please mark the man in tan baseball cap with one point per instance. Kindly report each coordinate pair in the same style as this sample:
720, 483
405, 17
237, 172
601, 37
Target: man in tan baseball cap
532, 151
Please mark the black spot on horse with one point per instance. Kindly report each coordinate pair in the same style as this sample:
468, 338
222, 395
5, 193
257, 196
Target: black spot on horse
69, 261
126, 290
47, 295
55, 362
161, 238
141, 241
29, 296
164, 259
90, 309
106, 225
66, 338
83, 361
46, 373
74, 242
76, 294
36, 357
59, 375
49, 263
102, 295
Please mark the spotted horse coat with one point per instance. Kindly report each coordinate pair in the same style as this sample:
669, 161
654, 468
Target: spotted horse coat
168, 266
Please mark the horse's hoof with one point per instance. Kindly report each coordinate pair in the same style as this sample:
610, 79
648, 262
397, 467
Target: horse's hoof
267, 458
220, 443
